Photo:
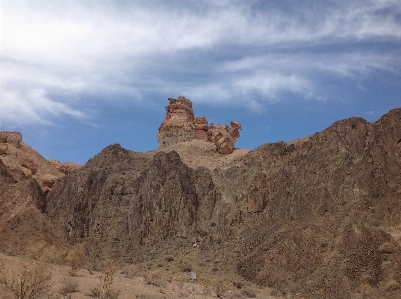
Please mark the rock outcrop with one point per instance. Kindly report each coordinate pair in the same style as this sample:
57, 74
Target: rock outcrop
65, 167
180, 125
3, 149
22, 217
224, 137
13, 138
29, 164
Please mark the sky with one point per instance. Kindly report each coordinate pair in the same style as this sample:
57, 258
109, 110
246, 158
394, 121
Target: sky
77, 76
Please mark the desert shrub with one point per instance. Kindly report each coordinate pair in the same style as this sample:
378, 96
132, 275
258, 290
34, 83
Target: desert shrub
76, 257
42, 251
154, 278
69, 286
104, 291
35, 248
169, 259
185, 266
130, 271
220, 289
30, 281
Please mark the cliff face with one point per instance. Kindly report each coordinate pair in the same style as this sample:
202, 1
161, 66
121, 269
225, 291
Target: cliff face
144, 201
22, 217
312, 216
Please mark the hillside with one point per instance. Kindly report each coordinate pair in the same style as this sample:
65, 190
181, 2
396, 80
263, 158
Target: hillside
318, 217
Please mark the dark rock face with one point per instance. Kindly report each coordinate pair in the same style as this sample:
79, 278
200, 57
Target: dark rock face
310, 216
118, 211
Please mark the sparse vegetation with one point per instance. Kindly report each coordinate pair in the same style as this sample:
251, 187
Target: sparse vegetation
76, 257
30, 281
185, 266
105, 291
69, 286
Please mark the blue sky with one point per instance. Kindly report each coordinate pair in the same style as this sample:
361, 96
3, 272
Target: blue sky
77, 76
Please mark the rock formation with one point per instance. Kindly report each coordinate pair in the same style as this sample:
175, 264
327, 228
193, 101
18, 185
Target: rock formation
178, 125
3, 149
65, 167
310, 218
181, 125
29, 164
201, 127
224, 137
13, 138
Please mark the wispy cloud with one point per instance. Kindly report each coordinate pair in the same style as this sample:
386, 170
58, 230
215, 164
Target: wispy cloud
58, 57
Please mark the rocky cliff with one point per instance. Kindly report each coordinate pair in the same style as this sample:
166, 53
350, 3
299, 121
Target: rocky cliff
314, 216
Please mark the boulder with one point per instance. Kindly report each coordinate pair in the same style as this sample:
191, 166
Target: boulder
3, 148
222, 139
48, 180
29, 164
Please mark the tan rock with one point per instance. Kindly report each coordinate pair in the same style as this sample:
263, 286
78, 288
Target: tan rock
46, 189
13, 138
3, 148
65, 167
48, 180
29, 164
222, 139
178, 125
201, 127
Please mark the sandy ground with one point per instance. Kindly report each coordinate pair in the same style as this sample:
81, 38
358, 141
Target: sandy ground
135, 287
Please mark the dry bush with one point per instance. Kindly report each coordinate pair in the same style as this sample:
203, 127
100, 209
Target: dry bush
76, 257
185, 266
40, 250
220, 289
105, 291
130, 271
69, 286
30, 281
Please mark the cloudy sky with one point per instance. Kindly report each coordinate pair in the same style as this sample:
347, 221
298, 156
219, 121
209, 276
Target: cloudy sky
77, 76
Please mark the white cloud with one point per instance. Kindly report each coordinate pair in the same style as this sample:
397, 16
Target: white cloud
117, 50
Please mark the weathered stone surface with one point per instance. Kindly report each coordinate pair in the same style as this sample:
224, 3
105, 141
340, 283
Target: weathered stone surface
181, 125
117, 211
65, 167
178, 125
311, 218
222, 138
14, 138
29, 164
3, 148
201, 126
22, 217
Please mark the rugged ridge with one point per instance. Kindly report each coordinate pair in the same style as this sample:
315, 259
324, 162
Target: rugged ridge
143, 202
313, 217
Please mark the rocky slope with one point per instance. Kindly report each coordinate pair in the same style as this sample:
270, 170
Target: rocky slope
22, 217
317, 217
